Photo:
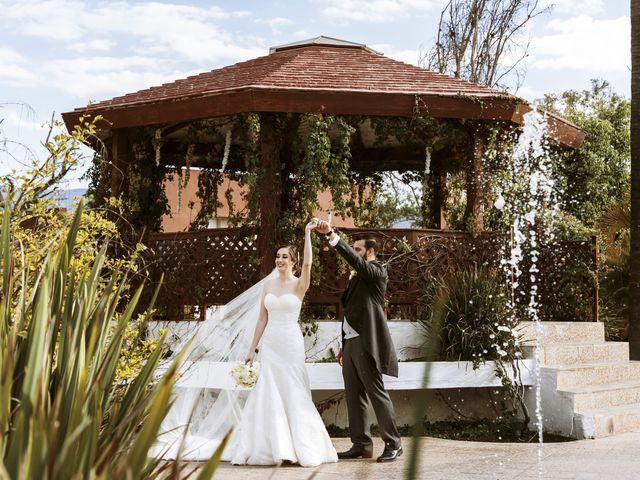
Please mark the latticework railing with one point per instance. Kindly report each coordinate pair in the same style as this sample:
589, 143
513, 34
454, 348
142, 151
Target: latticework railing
210, 267
203, 268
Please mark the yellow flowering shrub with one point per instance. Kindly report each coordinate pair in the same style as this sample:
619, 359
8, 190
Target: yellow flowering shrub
39, 227
136, 349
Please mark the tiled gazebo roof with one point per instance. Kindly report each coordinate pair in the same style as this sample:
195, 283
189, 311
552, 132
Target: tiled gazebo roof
320, 74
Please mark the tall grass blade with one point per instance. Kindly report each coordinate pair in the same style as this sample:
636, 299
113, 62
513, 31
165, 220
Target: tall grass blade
211, 466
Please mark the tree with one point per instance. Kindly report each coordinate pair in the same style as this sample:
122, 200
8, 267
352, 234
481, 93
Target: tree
42, 178
596, 175
475, 40
476, 36
400, 201
634, 268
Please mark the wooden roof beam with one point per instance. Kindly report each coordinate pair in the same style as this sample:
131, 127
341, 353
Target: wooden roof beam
333, 102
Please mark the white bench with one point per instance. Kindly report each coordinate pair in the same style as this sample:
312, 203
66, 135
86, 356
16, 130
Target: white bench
328, 376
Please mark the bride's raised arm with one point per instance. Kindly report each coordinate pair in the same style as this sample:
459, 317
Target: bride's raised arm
307, 258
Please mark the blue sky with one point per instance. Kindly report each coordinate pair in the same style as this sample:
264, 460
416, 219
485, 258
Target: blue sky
56, 55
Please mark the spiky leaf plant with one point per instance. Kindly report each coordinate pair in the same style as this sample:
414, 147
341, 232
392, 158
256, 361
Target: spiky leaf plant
62, 415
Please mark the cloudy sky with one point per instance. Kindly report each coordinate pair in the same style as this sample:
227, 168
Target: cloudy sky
56, 55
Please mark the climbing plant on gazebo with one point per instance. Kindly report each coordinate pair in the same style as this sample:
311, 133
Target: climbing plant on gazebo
319, 156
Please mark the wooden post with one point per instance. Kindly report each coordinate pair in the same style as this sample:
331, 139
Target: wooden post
120, 157
439, 201
270, 186
474, 215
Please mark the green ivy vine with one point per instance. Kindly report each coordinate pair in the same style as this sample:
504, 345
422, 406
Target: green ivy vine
318, 154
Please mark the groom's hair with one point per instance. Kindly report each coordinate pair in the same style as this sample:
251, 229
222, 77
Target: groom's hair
293, 253
369, 242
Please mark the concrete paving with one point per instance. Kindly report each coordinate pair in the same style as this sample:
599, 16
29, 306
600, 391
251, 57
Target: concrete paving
616, 457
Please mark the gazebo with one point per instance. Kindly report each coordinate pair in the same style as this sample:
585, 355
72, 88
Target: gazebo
321, 76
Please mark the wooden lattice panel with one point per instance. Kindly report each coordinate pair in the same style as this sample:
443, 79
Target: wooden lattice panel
210, 267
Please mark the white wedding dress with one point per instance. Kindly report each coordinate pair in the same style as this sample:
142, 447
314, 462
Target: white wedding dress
279, 420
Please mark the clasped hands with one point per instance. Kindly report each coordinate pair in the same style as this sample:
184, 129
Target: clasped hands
320, 226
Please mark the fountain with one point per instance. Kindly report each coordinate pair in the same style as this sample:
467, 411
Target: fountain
530, 208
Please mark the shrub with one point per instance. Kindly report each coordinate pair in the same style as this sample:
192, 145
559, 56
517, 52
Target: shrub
615, 226
468, 311
467, 317
79, 397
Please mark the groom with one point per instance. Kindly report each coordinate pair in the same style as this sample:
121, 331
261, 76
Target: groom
367, 351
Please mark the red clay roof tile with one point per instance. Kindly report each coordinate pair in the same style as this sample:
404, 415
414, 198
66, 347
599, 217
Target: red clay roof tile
309, 68
343, 77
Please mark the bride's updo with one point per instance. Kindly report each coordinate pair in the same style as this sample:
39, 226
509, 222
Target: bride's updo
293, 254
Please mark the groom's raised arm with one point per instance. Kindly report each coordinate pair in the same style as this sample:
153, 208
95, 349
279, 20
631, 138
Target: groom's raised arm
359, 264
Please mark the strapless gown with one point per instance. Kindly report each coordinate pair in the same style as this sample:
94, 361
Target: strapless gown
280, 421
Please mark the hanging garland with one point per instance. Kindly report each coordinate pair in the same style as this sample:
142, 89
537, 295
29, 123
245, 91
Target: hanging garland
209, 182
227, 150
157, 144
321, 158
249, 180
338, 179
143, 195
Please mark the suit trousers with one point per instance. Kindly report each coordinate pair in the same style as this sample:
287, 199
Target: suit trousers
362, 379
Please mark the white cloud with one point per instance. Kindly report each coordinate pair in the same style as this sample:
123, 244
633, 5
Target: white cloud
583, 43
54, 19
21, 133
15, 75
375, 11
108, 48
574, 7
274, 23
301, 34
411, 57
13, 68
102, 45
530, 93
189, 31
21, 118
93, 78
9, 55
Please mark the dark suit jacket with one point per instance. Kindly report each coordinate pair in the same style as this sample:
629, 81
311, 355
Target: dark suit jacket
363, 303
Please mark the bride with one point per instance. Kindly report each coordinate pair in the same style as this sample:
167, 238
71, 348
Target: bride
275, 421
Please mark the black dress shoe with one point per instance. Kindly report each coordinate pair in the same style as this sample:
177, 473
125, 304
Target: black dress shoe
357, 451
390, 454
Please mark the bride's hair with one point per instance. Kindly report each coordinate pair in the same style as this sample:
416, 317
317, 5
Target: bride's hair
293, 253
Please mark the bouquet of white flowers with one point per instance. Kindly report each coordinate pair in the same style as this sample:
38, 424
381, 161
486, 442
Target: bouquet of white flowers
245, 375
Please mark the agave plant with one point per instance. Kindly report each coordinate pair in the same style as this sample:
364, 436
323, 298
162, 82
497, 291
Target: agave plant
61, 414
468, 313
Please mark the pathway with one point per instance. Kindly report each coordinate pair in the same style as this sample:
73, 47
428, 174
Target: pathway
616, 458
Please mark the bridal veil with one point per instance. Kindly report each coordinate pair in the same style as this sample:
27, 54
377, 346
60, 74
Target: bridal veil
207, 403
